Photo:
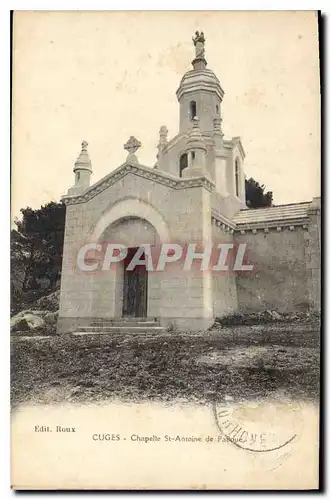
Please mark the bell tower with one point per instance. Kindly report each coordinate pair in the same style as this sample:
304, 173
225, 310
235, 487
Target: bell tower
199, 93
200, 149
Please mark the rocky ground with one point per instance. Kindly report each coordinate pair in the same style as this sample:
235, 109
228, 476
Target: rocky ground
243, 356
277, 360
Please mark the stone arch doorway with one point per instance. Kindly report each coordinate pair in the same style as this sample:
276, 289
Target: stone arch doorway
132, 292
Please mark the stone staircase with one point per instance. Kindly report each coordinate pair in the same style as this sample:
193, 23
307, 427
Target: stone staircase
122, 325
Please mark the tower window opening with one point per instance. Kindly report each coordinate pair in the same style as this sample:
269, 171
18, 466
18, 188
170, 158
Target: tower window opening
237, 172
182, 164
217, 109
193, 155
193, 109
78, 176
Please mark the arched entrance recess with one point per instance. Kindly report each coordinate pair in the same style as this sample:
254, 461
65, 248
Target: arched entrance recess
132, 207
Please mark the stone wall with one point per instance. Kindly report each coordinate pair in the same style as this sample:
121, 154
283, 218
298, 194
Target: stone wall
279, 279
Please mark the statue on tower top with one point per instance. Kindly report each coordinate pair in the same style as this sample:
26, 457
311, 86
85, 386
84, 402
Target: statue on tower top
199, 43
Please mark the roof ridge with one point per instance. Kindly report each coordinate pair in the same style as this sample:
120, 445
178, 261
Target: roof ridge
276, 206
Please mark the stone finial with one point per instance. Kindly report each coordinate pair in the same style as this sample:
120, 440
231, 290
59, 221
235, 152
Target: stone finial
163, 141
83, 161
195, 140
217, 123
163, 132
132, 145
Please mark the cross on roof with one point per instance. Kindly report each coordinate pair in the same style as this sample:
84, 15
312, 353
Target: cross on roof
132, 145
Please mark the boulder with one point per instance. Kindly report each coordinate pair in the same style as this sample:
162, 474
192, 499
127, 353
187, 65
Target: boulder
20, 326
24, 321
274, 315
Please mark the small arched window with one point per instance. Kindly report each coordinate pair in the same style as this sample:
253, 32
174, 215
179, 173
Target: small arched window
182, 164
78, 176
217, 109
193, 155
237, 175
193, 109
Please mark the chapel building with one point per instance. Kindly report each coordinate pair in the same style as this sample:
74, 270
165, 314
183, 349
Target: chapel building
195, 193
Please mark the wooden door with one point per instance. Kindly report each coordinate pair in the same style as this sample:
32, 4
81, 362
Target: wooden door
135, 288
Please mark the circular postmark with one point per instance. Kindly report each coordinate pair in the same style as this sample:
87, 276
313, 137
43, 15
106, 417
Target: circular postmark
259, 427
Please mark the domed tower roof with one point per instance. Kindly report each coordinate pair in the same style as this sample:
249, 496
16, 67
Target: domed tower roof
202, 79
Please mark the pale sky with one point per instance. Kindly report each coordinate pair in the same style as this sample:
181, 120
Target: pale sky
103, 76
